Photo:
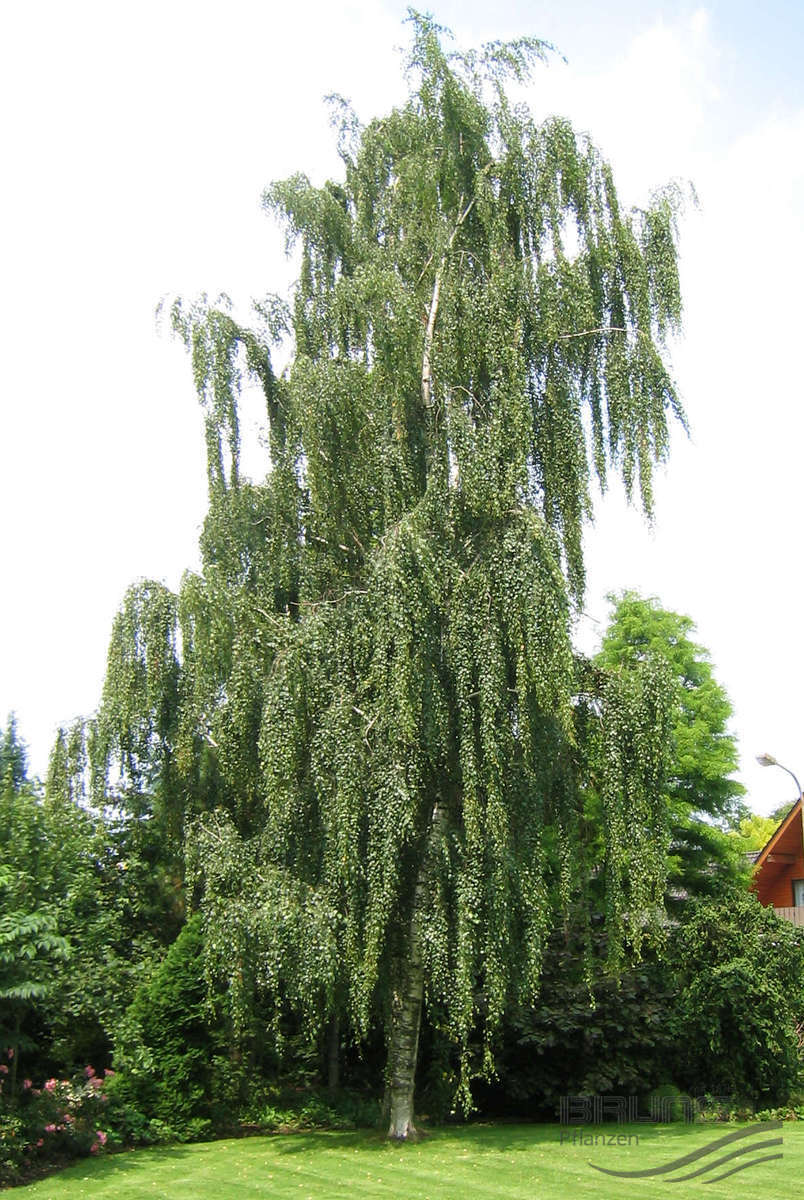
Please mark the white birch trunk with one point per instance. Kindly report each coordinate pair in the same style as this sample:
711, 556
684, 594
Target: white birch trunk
404, 1048
406, 1017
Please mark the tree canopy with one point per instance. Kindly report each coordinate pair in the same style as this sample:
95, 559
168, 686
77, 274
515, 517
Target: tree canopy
705, 800
365, 713
30, 941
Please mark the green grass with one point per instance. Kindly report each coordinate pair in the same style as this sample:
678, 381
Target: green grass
476, 1161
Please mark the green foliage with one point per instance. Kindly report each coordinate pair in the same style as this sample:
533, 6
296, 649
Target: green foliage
14, 1145
23, 842
13, 756
779, 813
591, 1032
704, 801
715, 1009
30, 941
166, 1045
101, 876
754, 831
740, 973
284, 1112
182, 1071
64, 1119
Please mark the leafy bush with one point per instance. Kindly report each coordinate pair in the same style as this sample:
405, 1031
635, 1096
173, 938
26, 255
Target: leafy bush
739, 970
16, 1146
787, 1112
719, 1009
598, 1034
290, 1110
66, 1118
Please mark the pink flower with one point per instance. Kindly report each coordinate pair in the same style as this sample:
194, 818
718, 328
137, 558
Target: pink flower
41, 1142
26, 1083
4, 1068
94, 1148
50, 1085
10, 1052
89, 1072
50, 1129
96, 1082
108, 1072
101, 1137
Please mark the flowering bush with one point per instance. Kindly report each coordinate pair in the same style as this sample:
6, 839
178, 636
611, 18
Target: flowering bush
65, 1118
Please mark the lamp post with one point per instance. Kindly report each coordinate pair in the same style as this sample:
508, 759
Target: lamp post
767, 760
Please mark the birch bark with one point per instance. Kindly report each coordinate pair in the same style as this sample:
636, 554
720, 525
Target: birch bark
407, 1005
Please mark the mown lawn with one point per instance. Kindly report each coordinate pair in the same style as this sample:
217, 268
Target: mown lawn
483, 1161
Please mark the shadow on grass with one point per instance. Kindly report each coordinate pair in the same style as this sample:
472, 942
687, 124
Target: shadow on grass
482, 1138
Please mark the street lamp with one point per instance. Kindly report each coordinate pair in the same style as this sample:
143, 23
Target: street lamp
767, 760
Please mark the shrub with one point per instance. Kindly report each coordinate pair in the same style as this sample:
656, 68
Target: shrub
739, 970
598, 1034
165, 1050
66, 1118
719, 1009
285, 1111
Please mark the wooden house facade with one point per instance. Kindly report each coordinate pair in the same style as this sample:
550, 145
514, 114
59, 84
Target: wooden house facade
779, 870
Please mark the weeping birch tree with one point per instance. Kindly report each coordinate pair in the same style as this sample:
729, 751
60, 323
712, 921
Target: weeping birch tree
364, 713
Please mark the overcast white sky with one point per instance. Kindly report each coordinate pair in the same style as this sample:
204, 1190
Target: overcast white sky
136, 141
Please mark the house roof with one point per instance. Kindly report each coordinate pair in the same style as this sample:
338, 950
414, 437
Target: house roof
779, 833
